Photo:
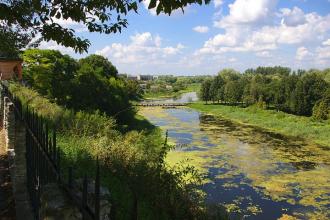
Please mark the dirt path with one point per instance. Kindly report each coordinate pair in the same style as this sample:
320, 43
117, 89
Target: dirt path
7, 204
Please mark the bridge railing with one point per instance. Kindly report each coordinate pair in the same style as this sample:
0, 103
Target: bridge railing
43, 158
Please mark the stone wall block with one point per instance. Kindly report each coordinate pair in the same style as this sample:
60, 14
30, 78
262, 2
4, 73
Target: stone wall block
55, 204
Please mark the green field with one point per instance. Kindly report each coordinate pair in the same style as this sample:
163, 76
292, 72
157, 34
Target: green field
279, 122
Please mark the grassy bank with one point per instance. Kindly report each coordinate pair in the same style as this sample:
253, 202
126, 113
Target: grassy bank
279, 122
131, 159
170, 94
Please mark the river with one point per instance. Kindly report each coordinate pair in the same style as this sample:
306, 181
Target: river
258, 174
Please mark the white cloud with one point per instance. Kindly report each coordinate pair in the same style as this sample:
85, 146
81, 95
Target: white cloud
323, 53
292, 17
201, 29
326, 43
144, 48
69, 23
312, 28
248, 12
302, 53
264, 54
230, 38
52, 45
217, 3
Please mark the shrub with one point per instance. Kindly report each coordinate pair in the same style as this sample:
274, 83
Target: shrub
321, 110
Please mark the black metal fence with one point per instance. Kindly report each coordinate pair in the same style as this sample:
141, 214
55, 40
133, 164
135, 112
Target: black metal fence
43, 158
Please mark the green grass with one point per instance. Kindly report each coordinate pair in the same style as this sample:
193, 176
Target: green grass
170, 94
279, 122
130, 159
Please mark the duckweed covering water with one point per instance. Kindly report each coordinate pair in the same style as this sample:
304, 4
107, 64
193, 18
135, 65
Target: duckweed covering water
259, 174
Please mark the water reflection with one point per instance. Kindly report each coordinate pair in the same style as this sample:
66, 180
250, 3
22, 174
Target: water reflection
259, 174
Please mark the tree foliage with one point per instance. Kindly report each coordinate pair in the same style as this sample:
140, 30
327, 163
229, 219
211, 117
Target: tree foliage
101, 65
42, 17
321, 109
13, 40
88, 84
302, 92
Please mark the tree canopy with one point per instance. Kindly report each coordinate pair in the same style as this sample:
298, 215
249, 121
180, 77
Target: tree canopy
41, 18
89, 84
302, 92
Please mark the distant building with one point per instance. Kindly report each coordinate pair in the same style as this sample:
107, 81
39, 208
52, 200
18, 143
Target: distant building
10, 68
145, 77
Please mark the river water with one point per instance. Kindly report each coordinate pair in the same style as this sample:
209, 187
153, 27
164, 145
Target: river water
257, 174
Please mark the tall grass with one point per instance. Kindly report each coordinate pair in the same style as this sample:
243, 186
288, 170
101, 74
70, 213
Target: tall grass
132, 165
287, 124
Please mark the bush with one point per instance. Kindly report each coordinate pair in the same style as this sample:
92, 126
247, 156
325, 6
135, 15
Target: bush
132, 164
321, 110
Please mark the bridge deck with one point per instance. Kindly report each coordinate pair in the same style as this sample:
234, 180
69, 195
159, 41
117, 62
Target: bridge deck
161, 104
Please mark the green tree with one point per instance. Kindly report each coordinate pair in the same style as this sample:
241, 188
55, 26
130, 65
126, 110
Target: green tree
13, 40
205, 94
50, 73
107, 16
321, 109
229, 74
92, 91
100, 65
134, 91
232, 92
218, 85
310, 88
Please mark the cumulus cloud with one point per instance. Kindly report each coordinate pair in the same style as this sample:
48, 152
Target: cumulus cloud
302, 53
292, 17
201, 29
323, 53
264, 54
52, 45
144, 48
295, 28
326, 43
69, 23
248, 12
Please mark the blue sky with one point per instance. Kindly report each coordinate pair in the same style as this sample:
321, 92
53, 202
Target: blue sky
235, 34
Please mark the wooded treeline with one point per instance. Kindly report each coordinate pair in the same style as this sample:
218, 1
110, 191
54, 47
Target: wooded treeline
298, 92
88, 84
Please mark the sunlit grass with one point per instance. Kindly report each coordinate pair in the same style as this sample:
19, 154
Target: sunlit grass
279, 122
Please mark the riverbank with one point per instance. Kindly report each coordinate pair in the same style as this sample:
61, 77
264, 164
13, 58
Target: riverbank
170, 94
131, 160
279, 122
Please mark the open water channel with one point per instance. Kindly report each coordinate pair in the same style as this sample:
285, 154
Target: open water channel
258, 174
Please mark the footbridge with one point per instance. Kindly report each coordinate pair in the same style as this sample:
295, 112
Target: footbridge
165, 105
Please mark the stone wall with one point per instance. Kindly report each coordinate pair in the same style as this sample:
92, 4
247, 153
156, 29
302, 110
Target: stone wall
14, 135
